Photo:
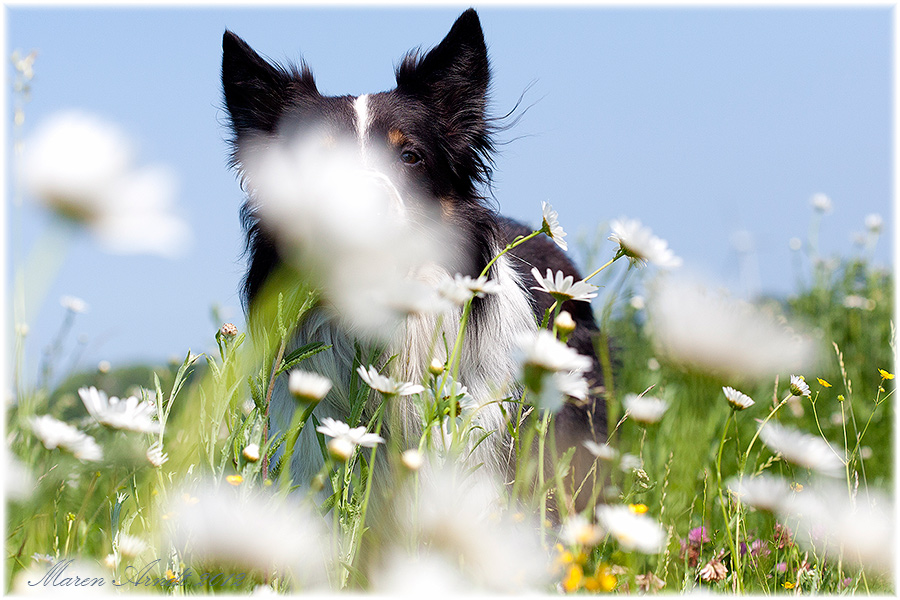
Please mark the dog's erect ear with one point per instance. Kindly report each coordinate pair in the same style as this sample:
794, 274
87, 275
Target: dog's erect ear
257, 91
454, 73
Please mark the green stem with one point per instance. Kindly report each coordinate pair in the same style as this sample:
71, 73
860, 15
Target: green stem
735, 555
619, 254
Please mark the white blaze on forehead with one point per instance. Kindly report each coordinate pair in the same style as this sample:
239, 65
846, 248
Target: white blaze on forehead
361, 106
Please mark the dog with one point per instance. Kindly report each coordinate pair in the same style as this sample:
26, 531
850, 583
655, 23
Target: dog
439, 144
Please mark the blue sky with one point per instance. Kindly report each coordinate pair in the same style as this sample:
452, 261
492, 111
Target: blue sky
699, 122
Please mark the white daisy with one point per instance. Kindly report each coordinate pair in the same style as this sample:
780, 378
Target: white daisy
129, 413
577, 530
450, 388
251, 452
237, 527
155, 454
550, 225
821, 203
80, 167
802, 449
551, 389
543, 351
640, 245
737, 400
308, 387
709, 331
56, 434
129, 545
764, 492
602, 451
73, 304
798, 386
874, 222
633, 531
564, 287
412, 459
387, 385
461, 288
357, 435
645, 409
860, 530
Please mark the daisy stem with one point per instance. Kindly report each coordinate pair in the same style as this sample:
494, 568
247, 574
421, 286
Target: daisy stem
735, 556
361, 521
516, 242
618, 255
544, 423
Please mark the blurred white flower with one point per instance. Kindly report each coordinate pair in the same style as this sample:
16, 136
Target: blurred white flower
802, 449
641, 246
233, 527
821, 203
795, 243
80, 167
639, 532
461, 288
129, 413
577, 530
564, 287
645, 409
554, 387
738, 400
550, 225
721, 336
874, 223
387, 385
47, 559
73, 304
543, 351
458, 523
356, 436
630, 462
129, 545
798, 386
860, 530
764, 492
602, 451
855, 301
412, 459
155, 454
18, 482
251, 452
347, 227
53, 433
427, 575
308, 387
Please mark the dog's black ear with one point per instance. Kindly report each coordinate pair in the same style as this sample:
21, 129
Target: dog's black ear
257, 91
455, 73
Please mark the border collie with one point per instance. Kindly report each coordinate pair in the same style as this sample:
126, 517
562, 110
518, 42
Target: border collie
439, 143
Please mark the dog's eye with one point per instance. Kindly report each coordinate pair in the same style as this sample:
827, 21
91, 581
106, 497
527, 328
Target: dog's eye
409, 157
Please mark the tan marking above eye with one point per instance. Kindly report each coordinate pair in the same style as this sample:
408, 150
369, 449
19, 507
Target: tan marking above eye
396, 138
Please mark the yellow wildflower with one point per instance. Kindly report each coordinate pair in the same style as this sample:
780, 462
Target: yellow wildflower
885, 374
606, 578
573, 579
638, 509
787, 585
823, 383
797, 487
234, 479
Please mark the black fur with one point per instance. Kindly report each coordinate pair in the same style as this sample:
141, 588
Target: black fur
440, 106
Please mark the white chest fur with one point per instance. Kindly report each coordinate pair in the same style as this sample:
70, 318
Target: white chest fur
487, 368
